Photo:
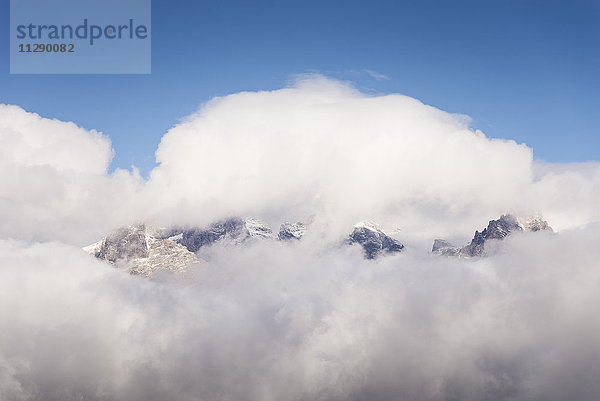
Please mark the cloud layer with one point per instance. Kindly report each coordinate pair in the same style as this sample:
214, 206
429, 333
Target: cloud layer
268, 322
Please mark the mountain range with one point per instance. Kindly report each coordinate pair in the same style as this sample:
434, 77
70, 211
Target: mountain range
145, 250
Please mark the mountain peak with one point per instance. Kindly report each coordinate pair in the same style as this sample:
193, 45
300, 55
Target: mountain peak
495, 230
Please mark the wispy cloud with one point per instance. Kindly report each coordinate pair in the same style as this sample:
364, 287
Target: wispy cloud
378, 76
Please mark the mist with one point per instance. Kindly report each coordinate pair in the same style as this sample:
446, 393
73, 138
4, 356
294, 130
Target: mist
271, 321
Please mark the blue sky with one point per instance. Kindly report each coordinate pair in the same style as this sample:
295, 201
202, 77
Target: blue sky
527, 70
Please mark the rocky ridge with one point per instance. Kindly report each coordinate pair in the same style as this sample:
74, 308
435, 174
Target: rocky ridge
145, 250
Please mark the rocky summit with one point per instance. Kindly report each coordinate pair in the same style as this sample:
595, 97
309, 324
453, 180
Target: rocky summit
142, 251
496, 230
373, 240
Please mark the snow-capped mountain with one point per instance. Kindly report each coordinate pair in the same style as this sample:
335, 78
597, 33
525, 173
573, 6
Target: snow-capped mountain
496, 230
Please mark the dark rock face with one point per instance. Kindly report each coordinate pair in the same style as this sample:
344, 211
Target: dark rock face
499, 229
373, 241
124, 244
289, 231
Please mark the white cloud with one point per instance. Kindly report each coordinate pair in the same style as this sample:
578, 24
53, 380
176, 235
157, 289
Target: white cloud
273, 322
568, 194
318, 150
33, 141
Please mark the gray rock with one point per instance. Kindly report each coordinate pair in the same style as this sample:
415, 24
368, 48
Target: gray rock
443, 247
123, 244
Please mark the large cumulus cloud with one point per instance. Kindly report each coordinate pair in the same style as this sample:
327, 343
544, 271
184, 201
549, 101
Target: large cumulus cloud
317, 151
322, 148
